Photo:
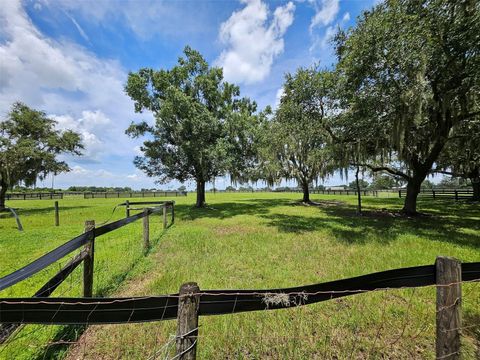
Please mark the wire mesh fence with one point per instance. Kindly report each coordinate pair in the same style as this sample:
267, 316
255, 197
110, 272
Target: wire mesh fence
116, 255
388, 323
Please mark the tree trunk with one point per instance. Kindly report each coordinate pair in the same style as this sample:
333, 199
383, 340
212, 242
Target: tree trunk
359, 193
476, 189
413, 189
306, 192
200, 194
3, 191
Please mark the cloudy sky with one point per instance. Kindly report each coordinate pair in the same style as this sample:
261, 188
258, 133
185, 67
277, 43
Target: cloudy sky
71, 58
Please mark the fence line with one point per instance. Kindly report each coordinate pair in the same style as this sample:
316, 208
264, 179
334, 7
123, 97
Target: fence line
442, 194
85, 256
132, 194
93, 195
214, 302
447, 274
33, 196
71, 245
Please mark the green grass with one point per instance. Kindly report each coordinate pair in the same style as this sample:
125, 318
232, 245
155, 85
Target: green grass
248, 241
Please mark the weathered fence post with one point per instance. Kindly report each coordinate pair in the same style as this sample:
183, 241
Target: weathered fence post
456, 195
165, 215
433, 193
89, 260
57, 216
187, 321
173, 212
400, 193
449, 301
127, 208
146, 229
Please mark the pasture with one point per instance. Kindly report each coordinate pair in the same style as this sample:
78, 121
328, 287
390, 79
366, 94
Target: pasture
252, 241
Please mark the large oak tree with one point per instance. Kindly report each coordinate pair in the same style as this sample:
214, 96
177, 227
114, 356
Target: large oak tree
29, 148
295, 139
202, 128
411, 75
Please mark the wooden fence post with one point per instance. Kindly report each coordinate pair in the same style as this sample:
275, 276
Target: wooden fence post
173, 212
88, 261
57, 216
146, 230
165, 215
187, 321
456, 195
127, 208
449, 301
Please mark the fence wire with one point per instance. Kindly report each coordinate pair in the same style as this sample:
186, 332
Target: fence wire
116, 255
387, 323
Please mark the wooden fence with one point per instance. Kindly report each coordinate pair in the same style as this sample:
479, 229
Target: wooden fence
461, 194
132, 194
33, 196
446, 274
86, 255
312, 191
344, 192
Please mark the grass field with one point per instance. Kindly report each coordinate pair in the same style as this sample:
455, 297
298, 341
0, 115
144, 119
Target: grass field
248, 241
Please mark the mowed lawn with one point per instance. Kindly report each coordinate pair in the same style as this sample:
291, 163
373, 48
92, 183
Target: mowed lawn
254, 241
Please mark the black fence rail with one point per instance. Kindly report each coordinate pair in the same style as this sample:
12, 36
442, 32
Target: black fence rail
312, 191
344, 192
463, 194
334, 192
133, 194
190, 303
86, 255
33, 196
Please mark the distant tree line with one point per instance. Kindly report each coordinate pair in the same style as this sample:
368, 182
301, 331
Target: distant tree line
99, 189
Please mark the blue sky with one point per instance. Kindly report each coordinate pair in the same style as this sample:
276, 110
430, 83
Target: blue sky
71, 58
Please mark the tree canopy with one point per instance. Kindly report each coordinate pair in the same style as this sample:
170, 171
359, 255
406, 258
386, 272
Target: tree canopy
29, 148
295, 139
410, 74
202, 128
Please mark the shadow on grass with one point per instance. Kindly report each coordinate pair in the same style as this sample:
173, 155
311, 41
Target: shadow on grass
231, 209
60, 344
445, 224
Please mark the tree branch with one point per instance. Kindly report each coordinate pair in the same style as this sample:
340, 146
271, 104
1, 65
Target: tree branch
454, 174
383, 168
467, 116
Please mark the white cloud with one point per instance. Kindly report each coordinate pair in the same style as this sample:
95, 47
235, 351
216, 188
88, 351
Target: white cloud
145, 18
67, 81
137, 150
79, 28
78, 170
327, 37
253, 40
325, 12
278, 97
322, 29
37, 70
93, 128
